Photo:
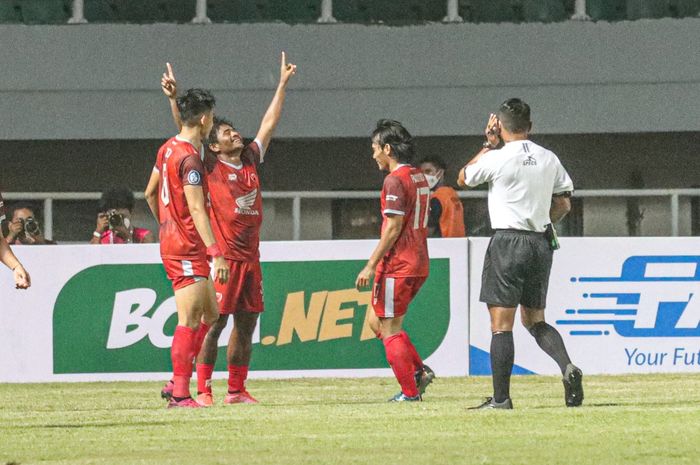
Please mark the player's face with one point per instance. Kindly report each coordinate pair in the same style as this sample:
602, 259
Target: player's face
230, 140
381, 155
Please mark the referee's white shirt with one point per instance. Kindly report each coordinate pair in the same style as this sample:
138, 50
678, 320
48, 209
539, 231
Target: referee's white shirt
522, 178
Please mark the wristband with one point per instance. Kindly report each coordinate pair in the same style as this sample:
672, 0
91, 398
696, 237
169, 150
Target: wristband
96, 234
214, 250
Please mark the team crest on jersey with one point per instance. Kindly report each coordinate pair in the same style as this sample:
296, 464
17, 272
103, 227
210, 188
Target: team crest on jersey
232, 176
194, 178
253, 177
219, 297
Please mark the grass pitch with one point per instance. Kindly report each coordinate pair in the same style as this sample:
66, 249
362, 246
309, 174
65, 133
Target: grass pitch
652, 419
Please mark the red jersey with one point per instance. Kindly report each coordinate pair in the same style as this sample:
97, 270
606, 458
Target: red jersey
406, 192
236, 205
179, 164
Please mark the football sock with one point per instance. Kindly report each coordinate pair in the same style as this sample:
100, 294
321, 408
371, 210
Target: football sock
502, 356
399, 357
550, 341
199, 336
204, 371
181, 355
237, 374
417, 362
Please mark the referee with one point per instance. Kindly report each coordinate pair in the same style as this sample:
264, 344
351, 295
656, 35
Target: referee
529, 190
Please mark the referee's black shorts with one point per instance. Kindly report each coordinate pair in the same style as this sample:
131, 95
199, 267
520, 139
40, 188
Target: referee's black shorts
516, 269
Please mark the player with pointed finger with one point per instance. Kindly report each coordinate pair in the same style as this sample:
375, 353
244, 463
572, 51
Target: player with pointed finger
236, 217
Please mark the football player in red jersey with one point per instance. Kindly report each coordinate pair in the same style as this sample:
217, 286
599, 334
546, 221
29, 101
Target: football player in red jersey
236, 217
400, 261
176, 194
22, 279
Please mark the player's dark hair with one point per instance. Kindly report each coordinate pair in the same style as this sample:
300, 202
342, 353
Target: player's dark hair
117, 197
436, 161
193, 104
514, 115
218, 122
399, 139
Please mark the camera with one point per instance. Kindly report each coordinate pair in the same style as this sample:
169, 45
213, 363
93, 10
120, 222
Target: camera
30, 226
115, 219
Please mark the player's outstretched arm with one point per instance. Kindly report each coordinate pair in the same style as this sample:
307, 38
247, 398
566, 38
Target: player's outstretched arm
151, 193
390, 234
195, 203
274, 111
22, 278
169, 86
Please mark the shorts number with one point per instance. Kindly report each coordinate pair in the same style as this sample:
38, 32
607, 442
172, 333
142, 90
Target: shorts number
425, 191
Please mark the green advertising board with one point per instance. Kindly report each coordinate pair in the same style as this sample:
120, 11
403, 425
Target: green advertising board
120, 319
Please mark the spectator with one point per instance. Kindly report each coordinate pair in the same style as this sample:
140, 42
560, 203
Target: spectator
22, 278
114, 220
446, 211
23, 227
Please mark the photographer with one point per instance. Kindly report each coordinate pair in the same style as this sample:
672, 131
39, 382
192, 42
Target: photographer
114, 220
23, 227
22, 278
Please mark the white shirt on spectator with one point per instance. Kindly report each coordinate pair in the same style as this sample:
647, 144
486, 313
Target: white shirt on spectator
522, 178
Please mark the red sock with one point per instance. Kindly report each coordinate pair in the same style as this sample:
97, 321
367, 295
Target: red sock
199, 338
399, 357
181, 355
417, 362
237, 374
204, 371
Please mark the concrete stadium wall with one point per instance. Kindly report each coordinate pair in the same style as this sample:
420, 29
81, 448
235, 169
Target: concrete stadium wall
101, 81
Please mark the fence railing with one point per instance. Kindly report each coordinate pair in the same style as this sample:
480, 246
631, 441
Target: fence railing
296, 197
451, 10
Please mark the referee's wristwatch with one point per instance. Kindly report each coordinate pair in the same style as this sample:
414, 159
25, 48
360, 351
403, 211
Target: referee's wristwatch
487, 145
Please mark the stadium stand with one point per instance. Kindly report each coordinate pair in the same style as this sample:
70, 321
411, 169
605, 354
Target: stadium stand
44, 11
347, 11
10, 12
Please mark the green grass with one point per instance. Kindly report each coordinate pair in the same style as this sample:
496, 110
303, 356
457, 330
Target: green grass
652, 419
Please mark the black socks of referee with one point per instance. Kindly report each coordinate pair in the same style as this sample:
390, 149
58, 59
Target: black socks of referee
551, 342
502, 356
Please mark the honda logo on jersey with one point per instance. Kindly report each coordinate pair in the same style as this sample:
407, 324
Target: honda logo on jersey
244, 204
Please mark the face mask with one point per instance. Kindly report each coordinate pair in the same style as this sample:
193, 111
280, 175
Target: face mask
432, 180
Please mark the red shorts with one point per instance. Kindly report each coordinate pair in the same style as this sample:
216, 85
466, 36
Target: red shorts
183, 273
243, 290
391, 296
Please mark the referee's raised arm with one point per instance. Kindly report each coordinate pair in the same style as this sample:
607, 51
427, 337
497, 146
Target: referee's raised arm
493, 140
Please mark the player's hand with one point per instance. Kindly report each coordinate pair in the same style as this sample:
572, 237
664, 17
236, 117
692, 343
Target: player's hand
287, 70
493, 131
168, 82
364, 278
22, 278
220, 269
102, 222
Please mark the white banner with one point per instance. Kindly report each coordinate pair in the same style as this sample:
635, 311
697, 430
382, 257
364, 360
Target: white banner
622, 305
107, 313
